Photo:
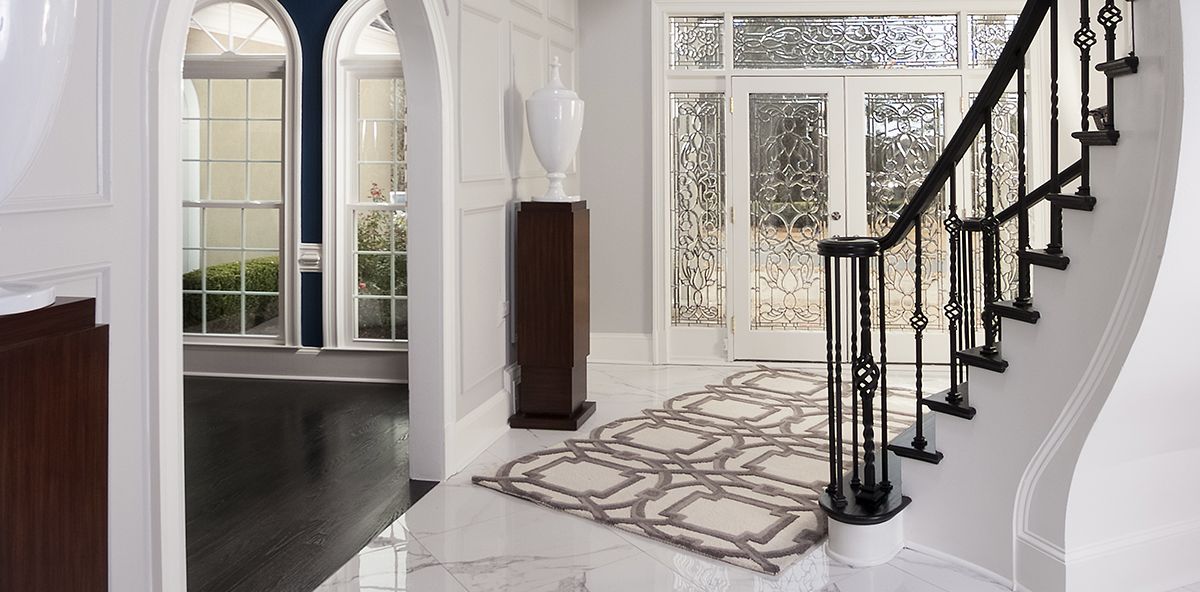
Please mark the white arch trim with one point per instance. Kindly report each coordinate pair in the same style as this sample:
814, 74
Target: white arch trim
421, 28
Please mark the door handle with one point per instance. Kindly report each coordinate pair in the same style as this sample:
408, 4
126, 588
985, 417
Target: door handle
836, 216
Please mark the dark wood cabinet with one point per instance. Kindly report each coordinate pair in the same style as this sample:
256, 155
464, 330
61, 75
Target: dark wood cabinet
553, 328
54, 450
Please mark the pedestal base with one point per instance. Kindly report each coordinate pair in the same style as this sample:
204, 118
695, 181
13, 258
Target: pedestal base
570, 423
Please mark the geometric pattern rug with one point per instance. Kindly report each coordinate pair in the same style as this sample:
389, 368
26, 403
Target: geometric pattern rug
733, 471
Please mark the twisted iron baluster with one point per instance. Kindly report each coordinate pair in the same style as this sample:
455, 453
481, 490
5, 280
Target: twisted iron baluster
883, 390
1110, 18
1085, 38
1024, 283
954, 308
1055, 246
866, 381
990, 227
919, 321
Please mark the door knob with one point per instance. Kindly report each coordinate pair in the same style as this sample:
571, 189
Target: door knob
836, 216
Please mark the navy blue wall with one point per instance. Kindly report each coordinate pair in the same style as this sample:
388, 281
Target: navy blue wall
312, 19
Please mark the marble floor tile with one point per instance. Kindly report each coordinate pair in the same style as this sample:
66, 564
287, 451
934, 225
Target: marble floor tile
464, 538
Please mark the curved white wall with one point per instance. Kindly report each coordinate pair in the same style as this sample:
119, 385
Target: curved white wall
998, 499
1132, 519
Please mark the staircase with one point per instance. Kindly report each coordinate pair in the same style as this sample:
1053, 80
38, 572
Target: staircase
999, 331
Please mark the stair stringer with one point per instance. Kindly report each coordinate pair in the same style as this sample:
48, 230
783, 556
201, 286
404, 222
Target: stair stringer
998, 499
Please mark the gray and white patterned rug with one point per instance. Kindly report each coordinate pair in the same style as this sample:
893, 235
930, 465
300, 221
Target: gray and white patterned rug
733, 471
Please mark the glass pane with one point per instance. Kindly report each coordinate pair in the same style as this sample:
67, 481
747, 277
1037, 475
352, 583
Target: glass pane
400, 231
262, 315
223, 271
193, 313
193, 139
193, 181
223, 228
228, 181
401, 319
375, 182
697, 42
195, 98
191, 227
377, 142
378, 38
376, 99
905, 136
373, 230
266, 181
989, 33
789, 204
374, 319
228, 99
401, 273
698, 209
262, 229
224, 314
266, 140
266, 99
375, 275
262, 272
925, 41
228, 140
1006, 185
233, 27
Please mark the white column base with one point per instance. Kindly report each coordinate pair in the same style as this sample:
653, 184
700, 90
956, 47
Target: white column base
866, 546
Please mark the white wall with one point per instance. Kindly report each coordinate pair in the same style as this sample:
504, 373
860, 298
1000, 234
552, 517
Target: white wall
614, 52
1130, 522
502, 49
78, 222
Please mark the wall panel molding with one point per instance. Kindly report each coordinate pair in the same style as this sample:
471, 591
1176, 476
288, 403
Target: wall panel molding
482, 83
99, 195
92, 281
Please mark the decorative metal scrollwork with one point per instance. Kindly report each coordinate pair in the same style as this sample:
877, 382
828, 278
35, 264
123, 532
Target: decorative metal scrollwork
697, 42
924, 41
698, 209
989, 33
789, 205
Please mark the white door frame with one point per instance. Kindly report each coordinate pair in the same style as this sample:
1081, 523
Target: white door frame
422, 33
750, 344
672, 344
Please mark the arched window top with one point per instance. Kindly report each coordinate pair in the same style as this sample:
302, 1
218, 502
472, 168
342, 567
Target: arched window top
364, 31
235, 28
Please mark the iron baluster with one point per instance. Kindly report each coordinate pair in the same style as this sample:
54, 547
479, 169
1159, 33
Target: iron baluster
834, 420
1055, 246
1024, 284
954, 308
990, 279
866, 381
1110, 18
883, 391
838, 495
856, 477
1085, 38
919, 321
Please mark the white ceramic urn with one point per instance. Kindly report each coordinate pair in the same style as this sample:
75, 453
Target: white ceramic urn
555, 115
36, 37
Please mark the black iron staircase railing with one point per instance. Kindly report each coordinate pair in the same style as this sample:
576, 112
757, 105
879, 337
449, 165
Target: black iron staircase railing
864, 482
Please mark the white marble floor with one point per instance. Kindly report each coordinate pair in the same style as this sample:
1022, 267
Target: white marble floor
463, 538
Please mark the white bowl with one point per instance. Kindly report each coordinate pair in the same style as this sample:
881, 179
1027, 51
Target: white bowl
19, 298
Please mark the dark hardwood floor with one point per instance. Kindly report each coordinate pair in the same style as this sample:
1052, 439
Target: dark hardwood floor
286, 481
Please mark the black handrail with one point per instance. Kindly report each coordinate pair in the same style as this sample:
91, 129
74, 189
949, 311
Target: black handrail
1010, 59
1037, 195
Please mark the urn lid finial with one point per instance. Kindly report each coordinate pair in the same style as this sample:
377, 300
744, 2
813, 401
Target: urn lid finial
554, 90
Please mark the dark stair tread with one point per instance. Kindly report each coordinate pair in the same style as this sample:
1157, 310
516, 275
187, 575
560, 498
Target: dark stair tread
1098, 137
1011, 310
1120, 66
1073, 201
976, 358
928, 455
1042, 258
940, 403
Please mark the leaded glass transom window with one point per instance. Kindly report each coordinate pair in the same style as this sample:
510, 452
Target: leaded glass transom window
852, 42
989, 33
698, 208
789, 209
697, 42
905, 135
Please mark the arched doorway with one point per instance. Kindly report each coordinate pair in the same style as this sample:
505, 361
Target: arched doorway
421, 31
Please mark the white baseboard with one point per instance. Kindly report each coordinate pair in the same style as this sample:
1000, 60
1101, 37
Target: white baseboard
479, 429
283, 363
622, 348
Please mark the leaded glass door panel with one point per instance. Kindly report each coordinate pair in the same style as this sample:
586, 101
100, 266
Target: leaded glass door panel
896, 130
788, 189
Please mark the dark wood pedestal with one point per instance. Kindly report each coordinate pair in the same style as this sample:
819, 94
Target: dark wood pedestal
553, 327
54, 449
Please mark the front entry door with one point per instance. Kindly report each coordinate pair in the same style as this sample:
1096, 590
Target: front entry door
814, 157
